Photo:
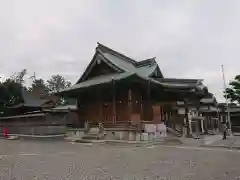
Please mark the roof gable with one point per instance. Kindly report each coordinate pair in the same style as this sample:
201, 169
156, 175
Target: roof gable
121, 63
98, 57
126, 67
108, 50
150, 65
31, 99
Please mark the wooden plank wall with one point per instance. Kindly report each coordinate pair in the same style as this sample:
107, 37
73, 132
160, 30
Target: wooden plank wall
138, 110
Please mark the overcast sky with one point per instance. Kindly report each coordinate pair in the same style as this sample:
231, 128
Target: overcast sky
191, 38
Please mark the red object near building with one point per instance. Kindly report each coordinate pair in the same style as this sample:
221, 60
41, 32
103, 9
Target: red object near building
5, 132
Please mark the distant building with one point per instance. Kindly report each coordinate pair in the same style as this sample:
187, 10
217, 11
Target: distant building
39, 115
234, 111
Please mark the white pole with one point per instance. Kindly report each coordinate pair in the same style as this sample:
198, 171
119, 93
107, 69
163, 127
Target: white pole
228, 113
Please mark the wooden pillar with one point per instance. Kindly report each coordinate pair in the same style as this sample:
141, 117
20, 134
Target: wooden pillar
129, 103
220, 123
150, 118
187, 118
205, 124
78, 109
211, 123
202, 125
141, 109
197, 127
100, 103
114, 103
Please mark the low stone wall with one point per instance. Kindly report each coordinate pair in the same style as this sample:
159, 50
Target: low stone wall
33, 124
117, 134
78, 132
35, 130
131, 136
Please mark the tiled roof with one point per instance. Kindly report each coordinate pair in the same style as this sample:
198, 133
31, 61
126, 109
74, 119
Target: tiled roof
23, 116
142, 69
180, 83
234, 109
98, 80
30, 100
210, 100
67, 107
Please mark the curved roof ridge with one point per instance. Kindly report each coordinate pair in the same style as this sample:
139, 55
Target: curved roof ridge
116, 53
145, 62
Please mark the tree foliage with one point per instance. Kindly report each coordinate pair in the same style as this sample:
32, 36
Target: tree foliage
14, 92
57, 82
19, 76
11, 88
14, 86
233, 92
11, 91
38, 84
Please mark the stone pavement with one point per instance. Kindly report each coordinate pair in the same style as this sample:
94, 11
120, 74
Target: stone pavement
230, 142
204, 140
45, 160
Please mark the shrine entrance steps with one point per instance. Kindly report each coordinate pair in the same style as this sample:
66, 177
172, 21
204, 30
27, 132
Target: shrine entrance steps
93, 134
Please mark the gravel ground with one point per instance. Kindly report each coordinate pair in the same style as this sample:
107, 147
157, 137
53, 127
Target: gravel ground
31, 160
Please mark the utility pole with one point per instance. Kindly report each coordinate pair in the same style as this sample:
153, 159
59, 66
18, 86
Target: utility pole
228, 113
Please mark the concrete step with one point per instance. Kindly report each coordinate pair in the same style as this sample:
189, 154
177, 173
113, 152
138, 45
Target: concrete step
92, 134
13, 137
172, 132
88, 141
93, 130
89, 137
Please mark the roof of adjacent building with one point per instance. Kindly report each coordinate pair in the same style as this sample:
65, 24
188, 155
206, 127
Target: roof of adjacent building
66, 107
37, 114
234, 109
127, 67
208, 100
30, 100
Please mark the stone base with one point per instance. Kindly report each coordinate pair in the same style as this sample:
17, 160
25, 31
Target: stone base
130, 136
75, 133
112, 134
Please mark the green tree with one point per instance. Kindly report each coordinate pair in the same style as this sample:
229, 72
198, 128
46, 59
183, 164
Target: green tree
19, 76
14, 86
4, 98
14, 92
39, 85
57, 82
233, 92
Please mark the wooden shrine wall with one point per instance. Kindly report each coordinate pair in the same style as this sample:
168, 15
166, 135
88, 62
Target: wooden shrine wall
129, 106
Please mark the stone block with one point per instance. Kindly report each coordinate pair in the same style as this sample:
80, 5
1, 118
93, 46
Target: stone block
94, 130
125, 135
144, 137
157, 135
131, 136
110, 135
138, 137
80, 133
118, 135
151, 136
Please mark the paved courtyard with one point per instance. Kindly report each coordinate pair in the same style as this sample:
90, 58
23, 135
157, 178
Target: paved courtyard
31, 160
233, 141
